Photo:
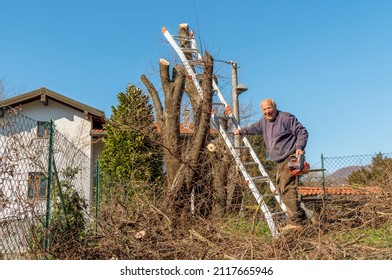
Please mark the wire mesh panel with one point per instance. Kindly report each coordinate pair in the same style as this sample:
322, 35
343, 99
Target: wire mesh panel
24, 165
354, 170
349, 170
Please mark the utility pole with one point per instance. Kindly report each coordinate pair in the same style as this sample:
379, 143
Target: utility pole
236, 90
234, 94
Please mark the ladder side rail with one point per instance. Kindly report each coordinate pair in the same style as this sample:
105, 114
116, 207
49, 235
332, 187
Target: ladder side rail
269, 219
183, 59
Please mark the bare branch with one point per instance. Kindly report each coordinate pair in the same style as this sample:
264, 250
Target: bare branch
155, 98
165, 76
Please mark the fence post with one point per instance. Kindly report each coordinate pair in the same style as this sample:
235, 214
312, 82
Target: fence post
323, 175
97, 198
50, 182
61, 193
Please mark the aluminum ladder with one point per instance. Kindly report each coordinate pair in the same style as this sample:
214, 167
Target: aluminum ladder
193, 63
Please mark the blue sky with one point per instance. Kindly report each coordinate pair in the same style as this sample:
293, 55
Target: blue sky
327, 62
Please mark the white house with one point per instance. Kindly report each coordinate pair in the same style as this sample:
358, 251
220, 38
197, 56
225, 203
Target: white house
25, 164
79, 123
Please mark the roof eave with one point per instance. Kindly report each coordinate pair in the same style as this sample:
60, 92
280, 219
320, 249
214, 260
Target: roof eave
35, 94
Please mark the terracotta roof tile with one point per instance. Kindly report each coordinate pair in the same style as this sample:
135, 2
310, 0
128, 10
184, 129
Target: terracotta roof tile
98, 132
345, 190
190, 129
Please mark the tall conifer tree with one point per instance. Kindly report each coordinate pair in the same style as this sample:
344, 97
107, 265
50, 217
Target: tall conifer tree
131, 157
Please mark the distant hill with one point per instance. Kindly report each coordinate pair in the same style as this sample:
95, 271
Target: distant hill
340, 176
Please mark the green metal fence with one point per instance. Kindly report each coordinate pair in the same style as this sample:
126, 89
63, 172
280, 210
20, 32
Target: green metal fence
34, 159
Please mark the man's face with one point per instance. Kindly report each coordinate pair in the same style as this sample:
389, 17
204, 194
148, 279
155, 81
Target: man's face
269, 110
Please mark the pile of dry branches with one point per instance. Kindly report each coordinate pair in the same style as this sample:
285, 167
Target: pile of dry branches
339, 230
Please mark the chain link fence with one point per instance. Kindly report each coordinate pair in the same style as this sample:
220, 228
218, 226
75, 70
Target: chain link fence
356, 170
34, 161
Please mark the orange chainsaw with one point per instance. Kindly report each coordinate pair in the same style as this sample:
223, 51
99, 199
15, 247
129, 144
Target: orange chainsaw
298, 166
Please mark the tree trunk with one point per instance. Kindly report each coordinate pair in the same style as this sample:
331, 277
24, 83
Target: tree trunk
187, 168
168, 119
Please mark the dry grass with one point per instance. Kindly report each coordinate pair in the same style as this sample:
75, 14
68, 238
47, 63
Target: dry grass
339, 231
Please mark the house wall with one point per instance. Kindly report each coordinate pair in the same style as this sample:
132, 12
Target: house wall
71, 123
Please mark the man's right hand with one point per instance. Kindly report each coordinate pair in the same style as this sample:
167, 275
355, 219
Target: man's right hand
236, 131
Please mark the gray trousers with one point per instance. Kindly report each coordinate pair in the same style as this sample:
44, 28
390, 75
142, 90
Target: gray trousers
287, 187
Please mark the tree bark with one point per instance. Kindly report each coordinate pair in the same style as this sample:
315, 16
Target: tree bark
188, 169
168, 119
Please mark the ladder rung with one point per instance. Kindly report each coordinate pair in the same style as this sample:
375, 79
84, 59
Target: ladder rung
189, 50
224, 117
195, 62
241, 147
261, 178
218, 104
278, 213
271, 194
199, 76
187, 38
250, 163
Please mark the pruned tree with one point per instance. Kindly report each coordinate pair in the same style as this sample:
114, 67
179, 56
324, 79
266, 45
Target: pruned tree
186, 165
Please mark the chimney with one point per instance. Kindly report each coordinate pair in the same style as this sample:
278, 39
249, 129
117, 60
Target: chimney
186, 119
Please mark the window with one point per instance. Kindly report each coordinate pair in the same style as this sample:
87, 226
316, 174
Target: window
42, 129
37, 185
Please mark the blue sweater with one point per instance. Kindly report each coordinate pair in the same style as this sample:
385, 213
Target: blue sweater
282, 136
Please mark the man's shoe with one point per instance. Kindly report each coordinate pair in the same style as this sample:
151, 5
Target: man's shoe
290, 227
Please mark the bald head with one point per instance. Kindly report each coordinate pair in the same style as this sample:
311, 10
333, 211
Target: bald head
267, 102
268, 107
